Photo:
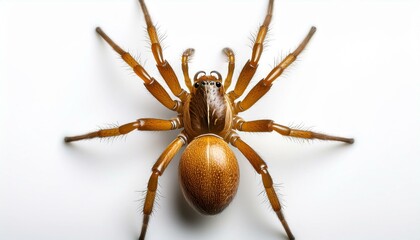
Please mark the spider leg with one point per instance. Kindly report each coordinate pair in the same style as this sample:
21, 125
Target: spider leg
270, 125
150, 83
157, 171
263, 86
143, 124
250, 67
261, 168
185, 57
163, 66
231, 58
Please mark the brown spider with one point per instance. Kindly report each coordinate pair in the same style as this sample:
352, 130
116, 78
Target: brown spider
208, 170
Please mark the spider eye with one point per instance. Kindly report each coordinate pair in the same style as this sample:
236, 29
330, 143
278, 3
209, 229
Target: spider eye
218, 84
203, 83
196, 85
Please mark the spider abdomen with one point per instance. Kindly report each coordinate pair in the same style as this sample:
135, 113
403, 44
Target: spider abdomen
208, 174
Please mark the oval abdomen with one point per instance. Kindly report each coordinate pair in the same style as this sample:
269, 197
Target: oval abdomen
208, 174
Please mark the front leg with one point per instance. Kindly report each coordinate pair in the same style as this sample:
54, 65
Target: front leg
163, 66
264, 85
250, 67
150, 83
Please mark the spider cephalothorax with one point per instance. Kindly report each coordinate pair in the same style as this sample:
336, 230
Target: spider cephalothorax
207, 109
208, 170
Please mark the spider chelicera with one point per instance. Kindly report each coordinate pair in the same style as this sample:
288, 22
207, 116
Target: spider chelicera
208, 114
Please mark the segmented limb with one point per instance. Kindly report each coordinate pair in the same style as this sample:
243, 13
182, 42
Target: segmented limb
250, 67
163, 66
157, 171
143, 124
149, 82
263, 86
270, 125
261, 167
231, 58
185, 58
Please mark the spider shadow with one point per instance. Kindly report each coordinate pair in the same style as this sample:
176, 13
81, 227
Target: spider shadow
191, 218
187, 215
323, 154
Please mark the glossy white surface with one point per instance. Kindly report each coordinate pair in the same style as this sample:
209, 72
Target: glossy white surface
359, 77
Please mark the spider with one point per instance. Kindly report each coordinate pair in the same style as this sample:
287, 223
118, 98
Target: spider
208, 114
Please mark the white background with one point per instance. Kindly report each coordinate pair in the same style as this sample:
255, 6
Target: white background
359, 77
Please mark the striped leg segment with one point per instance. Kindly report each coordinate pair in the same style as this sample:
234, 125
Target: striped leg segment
270, 125
263, 86
261, 168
